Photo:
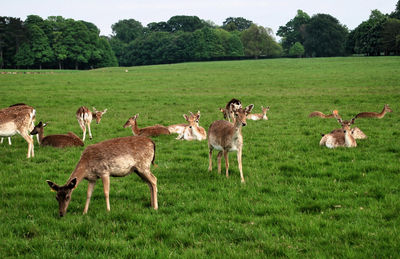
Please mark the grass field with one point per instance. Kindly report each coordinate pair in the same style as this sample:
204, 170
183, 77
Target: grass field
299, 199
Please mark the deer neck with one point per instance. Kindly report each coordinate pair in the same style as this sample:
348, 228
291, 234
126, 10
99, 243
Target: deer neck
79, 173
41, 135
135, 129
349, 139
382, 113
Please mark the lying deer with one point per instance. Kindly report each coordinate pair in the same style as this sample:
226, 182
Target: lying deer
225, 137
115, 157
320, 114
259, 116
341, 137
380, 115
227, 111
193, 131
85, 116
182, 128
18, 119
59, 140
151, 131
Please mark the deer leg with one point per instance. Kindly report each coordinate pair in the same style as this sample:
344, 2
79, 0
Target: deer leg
83, 127
106, 187
30, 145
9, 141
210, 159
219, 158
226, 163
90, 132
89, 195
151, 181
239, 158
1, 141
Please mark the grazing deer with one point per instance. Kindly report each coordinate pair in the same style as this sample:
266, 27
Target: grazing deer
225, 137
259, 116
151, 131
85, 116
115, 157
320, 114
340, 137
59, 140
193, 131
380, 115
18, 119
228, 112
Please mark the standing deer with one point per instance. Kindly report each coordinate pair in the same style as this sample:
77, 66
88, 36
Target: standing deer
115, 157
18, 119
259, 116
380, 115
225, 137
228, 112
9, 138
85, 116
151, 131
59, 140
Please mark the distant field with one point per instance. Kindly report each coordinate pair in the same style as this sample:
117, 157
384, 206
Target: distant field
299, 199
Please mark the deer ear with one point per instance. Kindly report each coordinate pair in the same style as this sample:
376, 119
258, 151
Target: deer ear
352, 121
54, 187
94, 109
40, 124
249, 108
105, 110
45, 124
221, 109
72, 184
186, 117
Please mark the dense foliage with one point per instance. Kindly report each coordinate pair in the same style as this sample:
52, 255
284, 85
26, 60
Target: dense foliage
52, 43
65, 43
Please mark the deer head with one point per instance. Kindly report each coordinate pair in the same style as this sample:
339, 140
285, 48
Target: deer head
240, 114
98, 114
63, 194
131, 121
387, 108
38, 127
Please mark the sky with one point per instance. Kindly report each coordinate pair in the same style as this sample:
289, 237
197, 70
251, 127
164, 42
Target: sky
266, 13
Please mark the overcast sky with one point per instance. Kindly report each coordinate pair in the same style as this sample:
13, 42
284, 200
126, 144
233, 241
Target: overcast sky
267, 13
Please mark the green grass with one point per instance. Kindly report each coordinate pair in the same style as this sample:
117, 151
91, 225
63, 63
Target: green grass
299, 199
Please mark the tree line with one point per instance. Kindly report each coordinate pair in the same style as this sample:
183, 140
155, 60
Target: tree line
65, 43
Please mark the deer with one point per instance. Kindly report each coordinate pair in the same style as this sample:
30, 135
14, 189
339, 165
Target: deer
227, 111
321, 115
380, 115
59, 140
151, 131
116, 157
18, 120
85, 116
225, 137
340, 137
193, 131
182, 128
9, 138
259, 116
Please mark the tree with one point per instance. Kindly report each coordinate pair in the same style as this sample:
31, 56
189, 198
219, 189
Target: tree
297, 50
40, 45
24, 56
325, 37
12, 36
236, 24
367, 36
396, 13
258, 41
127, 30
391, 36
294, 30
208, 44
231, 43
185, 23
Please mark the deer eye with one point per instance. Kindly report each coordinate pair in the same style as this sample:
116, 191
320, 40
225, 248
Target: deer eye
236, 115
